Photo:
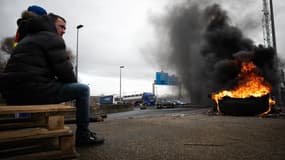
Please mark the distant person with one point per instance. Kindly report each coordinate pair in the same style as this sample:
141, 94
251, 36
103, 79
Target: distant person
32, 11
40, 72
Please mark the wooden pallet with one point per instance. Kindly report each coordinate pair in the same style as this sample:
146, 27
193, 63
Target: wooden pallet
42, 136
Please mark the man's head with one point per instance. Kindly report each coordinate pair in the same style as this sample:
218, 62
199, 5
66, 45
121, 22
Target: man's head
60, 26
59, 22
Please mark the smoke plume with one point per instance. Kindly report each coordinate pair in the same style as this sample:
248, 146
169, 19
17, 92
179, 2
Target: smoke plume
205, 50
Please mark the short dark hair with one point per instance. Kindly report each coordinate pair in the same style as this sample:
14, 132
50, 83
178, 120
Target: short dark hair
54, 17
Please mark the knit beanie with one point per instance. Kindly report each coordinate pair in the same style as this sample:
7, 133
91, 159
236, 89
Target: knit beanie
37, 9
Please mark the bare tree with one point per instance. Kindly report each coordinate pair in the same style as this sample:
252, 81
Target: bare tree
7, 44
5, 51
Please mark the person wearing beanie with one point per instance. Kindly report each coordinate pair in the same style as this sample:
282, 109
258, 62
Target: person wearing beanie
32, 11
21, 32
39, 71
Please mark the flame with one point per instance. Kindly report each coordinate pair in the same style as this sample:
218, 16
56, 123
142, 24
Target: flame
250, 84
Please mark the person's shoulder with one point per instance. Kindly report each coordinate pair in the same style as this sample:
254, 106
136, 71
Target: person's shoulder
42, 39
52, 39
49, 36
43, 36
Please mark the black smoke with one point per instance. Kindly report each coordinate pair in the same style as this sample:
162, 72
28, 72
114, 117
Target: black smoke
205, 50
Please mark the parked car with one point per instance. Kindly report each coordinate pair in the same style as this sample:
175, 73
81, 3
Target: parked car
163, 103
179, 103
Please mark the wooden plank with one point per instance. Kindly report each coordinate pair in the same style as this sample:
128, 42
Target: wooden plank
55, 122
67, 144
16, 120
36, 108
55, 139
57, 154
32, 133
49, 141
51, 122
17, 123
30, 146
64, 147
20, 125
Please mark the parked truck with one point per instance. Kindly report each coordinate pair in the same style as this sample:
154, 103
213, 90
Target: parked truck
109, 99
145, 99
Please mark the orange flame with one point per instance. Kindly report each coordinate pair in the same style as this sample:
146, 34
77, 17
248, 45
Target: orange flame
250, 84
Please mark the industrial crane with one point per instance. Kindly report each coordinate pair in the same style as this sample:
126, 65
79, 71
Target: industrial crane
270, 41
268, 24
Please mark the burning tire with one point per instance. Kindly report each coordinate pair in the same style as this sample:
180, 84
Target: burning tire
244, 106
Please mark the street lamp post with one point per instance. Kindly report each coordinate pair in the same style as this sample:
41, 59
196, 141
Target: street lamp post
76, 64
121, 81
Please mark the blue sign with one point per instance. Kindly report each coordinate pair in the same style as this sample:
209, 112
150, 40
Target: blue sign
172, 80
162, 78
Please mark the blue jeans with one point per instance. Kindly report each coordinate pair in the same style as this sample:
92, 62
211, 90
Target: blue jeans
80, 93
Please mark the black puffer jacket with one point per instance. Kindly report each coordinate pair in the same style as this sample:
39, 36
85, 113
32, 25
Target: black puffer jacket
38, 67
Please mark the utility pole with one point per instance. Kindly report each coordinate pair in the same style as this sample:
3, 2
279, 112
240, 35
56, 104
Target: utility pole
77, 37
121, 67
273, 27
268, 25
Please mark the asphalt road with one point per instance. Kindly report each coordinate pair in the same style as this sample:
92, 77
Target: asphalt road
151, 111
184, 135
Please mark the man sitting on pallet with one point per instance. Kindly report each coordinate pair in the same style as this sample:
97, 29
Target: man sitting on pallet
39, 71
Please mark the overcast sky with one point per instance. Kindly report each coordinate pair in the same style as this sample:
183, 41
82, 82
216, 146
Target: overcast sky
120, 32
